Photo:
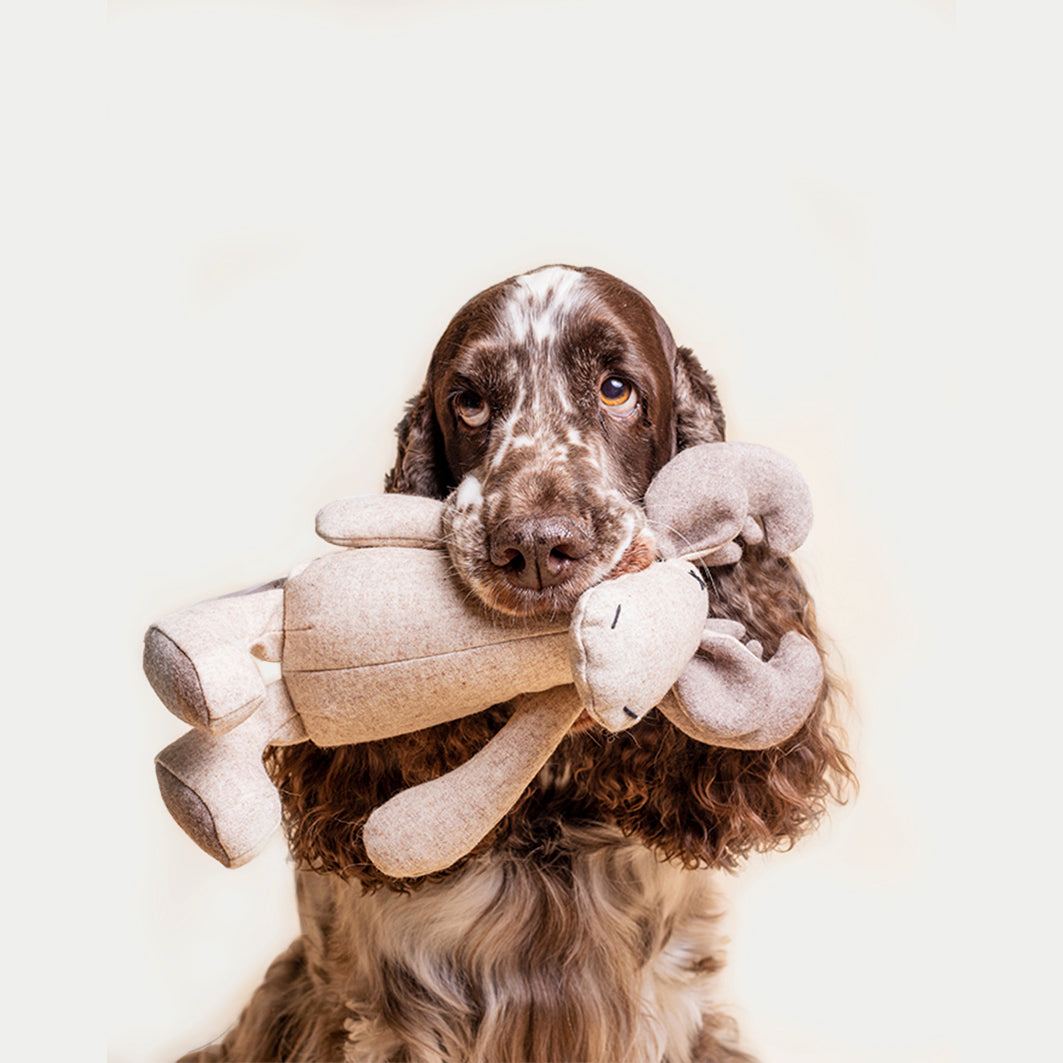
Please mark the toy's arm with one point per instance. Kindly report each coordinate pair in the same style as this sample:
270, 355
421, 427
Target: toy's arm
382, 520
429, 827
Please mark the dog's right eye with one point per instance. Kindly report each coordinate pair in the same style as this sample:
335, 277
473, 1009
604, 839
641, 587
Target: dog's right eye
472, 409
618, 396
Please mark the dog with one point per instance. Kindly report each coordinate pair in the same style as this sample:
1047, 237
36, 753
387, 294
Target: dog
585, 925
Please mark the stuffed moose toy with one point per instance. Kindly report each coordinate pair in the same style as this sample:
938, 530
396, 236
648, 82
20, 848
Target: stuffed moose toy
379, 639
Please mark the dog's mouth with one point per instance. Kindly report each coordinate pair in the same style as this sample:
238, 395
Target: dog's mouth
531, 561
639, 554
558, 601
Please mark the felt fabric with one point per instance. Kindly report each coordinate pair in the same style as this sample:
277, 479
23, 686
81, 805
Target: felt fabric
428, 827
385, 641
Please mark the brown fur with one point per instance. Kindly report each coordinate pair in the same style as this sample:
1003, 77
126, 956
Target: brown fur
583, 926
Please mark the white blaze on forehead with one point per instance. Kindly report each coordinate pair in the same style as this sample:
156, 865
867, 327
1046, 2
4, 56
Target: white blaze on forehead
538, 301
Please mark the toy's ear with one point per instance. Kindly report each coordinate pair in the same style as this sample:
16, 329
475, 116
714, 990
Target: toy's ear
420, 467
699, 415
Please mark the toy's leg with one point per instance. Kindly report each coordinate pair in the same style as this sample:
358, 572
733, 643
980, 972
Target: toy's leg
727, 696
216, 787
199, 660
429, 827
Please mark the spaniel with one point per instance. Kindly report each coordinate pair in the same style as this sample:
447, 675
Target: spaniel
584, 926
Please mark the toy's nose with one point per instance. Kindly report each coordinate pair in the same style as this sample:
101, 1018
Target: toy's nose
538, 552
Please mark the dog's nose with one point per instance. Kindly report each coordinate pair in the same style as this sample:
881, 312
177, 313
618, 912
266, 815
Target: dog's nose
537, 552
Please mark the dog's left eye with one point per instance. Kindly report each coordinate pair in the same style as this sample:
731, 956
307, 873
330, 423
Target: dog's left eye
617, 395
472, 409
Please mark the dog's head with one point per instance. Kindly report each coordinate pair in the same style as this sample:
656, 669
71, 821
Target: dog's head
550, 402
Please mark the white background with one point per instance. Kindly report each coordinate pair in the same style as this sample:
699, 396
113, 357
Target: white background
240, 228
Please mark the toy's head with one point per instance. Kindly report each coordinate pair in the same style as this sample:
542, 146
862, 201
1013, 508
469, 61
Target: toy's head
551, 402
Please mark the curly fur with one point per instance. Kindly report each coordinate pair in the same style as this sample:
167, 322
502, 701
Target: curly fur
583, 926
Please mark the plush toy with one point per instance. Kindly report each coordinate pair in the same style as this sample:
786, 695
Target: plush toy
379, 639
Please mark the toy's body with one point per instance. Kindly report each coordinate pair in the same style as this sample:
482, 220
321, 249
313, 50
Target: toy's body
380, 639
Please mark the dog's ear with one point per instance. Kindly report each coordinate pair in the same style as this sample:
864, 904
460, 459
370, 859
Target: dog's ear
420, 467
699, 415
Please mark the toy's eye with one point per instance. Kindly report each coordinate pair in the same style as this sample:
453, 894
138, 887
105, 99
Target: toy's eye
617, 395
472, 409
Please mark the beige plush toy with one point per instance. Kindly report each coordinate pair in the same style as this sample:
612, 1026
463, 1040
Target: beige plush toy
379, 639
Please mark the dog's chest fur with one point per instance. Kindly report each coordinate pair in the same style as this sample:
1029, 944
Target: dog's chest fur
596, 949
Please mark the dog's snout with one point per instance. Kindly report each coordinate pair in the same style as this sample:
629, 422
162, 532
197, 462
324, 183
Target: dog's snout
537, 552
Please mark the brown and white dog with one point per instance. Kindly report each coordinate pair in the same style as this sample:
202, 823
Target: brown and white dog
584, 926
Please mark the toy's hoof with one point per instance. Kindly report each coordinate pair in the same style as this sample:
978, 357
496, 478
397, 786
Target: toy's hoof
215, 694
173, 677
221, 797
191, 814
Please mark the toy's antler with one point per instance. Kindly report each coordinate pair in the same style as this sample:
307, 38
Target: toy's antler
728, 696
708, 495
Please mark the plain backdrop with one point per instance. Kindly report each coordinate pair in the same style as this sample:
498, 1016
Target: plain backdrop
245, 225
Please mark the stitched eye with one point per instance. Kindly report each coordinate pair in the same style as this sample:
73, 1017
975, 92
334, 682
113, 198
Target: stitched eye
617, 395
472, 409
